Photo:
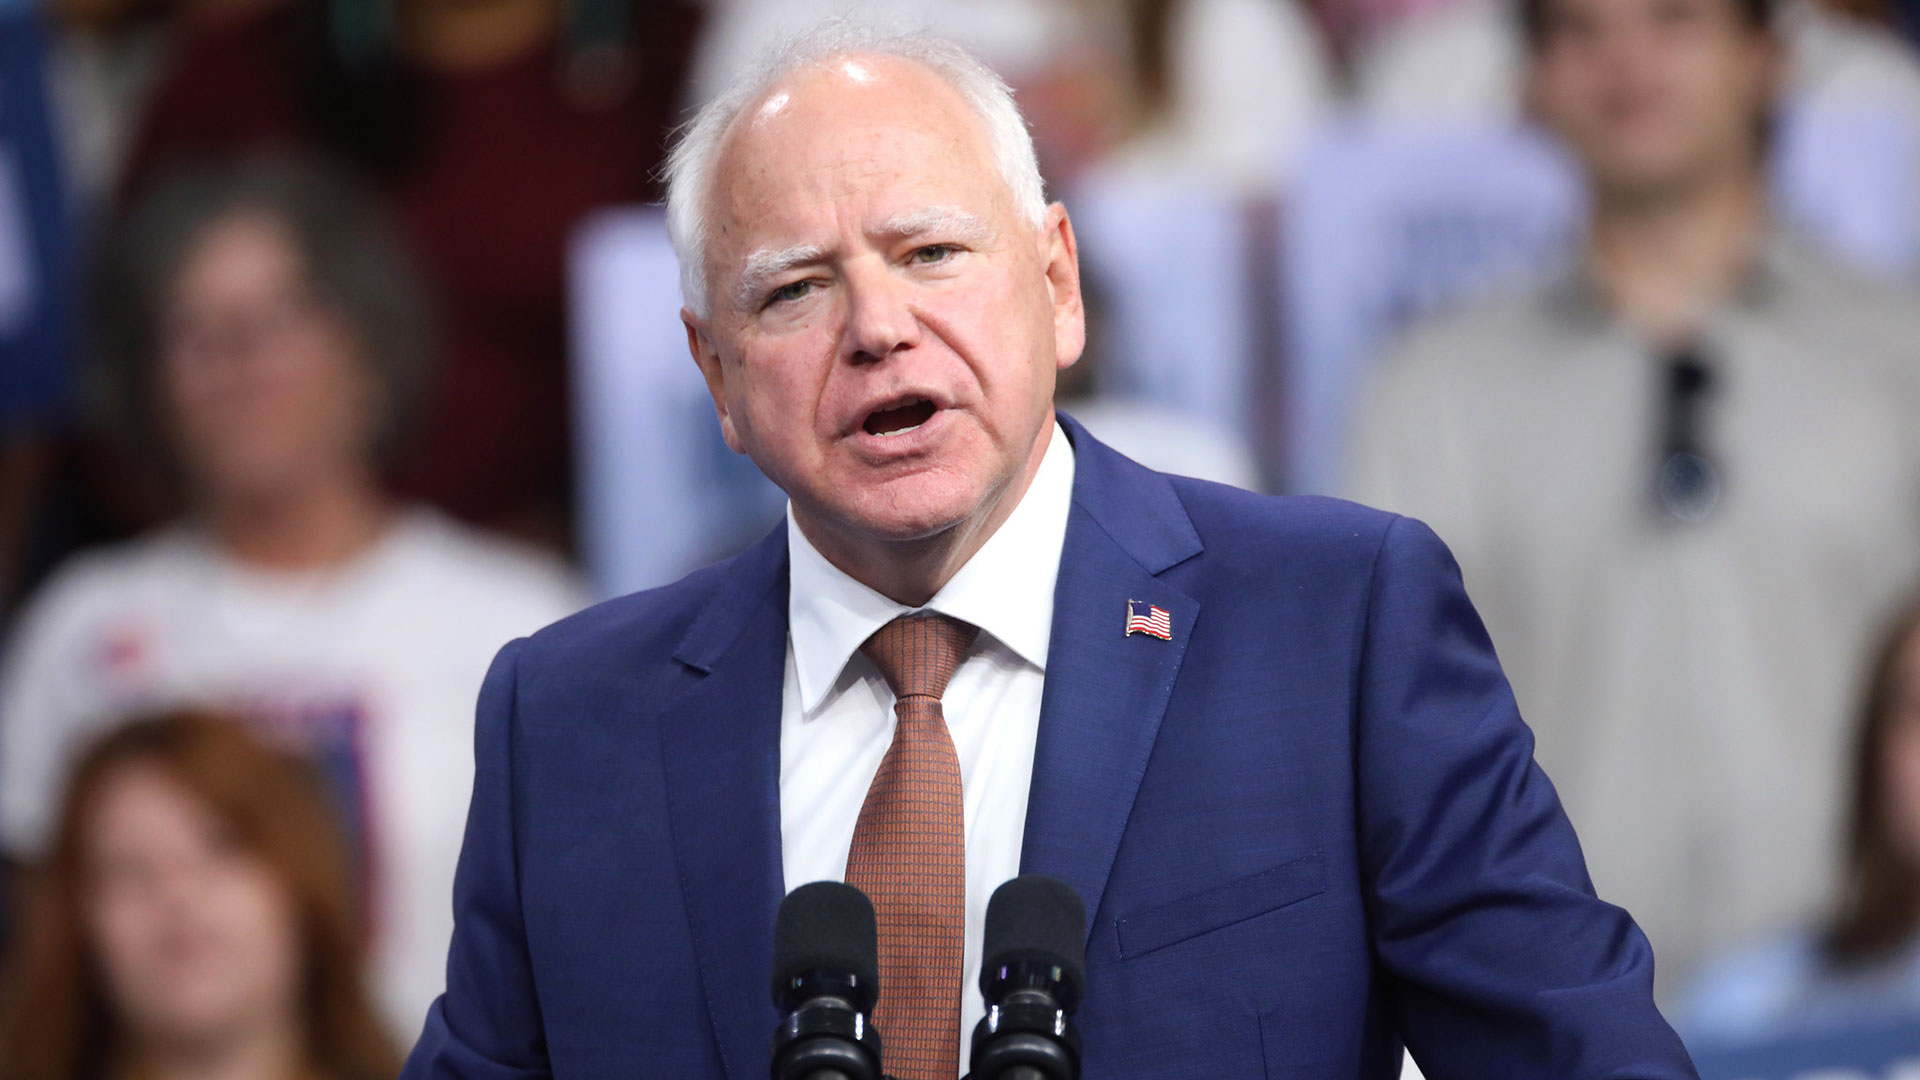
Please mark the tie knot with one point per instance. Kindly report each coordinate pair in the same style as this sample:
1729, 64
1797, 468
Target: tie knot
917, 654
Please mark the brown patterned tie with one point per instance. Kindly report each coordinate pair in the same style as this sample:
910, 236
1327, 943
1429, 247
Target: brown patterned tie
910, 851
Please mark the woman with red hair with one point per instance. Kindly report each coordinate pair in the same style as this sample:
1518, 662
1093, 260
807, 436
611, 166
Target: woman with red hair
193, 920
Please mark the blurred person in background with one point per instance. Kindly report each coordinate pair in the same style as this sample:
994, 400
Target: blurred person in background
1681, 477
1350, 26
492, 127
1464, 61
1861, 967
105, 57
1153, 433
1219, 91
1179, 214
260, 327
194, 920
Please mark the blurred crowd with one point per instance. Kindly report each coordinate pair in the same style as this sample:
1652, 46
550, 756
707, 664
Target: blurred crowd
1622, 296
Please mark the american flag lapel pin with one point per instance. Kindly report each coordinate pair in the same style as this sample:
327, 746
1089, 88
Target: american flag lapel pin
1144, 618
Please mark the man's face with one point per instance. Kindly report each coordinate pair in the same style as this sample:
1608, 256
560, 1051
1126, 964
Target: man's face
1653, 94
883, 326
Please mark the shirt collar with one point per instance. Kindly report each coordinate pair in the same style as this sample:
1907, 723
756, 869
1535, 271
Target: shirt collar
1780, 262
1006, 589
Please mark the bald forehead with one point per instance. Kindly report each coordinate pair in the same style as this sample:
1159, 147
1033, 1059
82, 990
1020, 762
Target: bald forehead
840, 104
849, 87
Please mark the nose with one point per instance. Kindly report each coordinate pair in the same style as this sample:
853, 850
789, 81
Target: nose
880, 316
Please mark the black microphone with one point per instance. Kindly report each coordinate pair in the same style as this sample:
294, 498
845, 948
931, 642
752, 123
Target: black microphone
826, 978
1033, 976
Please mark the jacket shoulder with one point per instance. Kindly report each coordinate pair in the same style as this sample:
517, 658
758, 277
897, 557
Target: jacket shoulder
1281, 527
629, 634
1325, 552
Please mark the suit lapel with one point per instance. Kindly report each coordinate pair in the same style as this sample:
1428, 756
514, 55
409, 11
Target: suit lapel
1106, 690
721, 748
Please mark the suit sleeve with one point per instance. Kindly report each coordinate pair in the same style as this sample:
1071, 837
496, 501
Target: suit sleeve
487, 1025
1504, 963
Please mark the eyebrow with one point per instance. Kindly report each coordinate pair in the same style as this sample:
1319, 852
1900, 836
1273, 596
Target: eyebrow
760, 268
950, 220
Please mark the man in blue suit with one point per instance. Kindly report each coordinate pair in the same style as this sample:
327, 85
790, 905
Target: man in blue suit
1266, 740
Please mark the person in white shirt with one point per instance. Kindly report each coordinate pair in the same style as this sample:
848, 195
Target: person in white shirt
1222, 93
263, 328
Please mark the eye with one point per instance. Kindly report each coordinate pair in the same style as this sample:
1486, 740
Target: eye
791, 291
934, 253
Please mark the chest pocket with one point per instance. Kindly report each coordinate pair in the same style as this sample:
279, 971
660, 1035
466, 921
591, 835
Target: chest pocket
1221, 906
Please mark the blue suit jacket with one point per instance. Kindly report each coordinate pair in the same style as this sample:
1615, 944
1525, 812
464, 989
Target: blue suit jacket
1307, 828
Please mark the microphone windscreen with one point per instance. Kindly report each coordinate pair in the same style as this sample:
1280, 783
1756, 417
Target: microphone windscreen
825, 926
1037, 919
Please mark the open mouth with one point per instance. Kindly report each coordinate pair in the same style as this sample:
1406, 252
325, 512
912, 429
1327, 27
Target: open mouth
899, 419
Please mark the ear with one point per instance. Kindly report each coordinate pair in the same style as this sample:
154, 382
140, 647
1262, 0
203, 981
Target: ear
1060, 253
700, 344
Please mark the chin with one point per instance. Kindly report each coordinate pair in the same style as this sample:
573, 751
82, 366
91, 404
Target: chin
903, 525
918, 512
253, 481
195, 1019
1642, 172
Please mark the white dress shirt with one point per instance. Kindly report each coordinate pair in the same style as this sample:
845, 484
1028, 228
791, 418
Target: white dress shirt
836, 719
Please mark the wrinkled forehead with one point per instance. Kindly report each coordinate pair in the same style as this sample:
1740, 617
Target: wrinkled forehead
850, 142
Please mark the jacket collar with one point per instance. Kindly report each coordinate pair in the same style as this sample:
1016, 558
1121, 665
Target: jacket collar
1107, 688
1106, 691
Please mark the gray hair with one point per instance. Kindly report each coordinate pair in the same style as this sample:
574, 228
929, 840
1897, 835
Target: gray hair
690, 166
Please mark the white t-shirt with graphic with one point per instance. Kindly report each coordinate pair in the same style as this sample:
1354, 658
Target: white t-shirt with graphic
371, 667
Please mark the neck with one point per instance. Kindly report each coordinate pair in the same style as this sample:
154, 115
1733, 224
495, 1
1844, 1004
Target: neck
321, 525
473, 35
1667, 260
267, 1051
910, 572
